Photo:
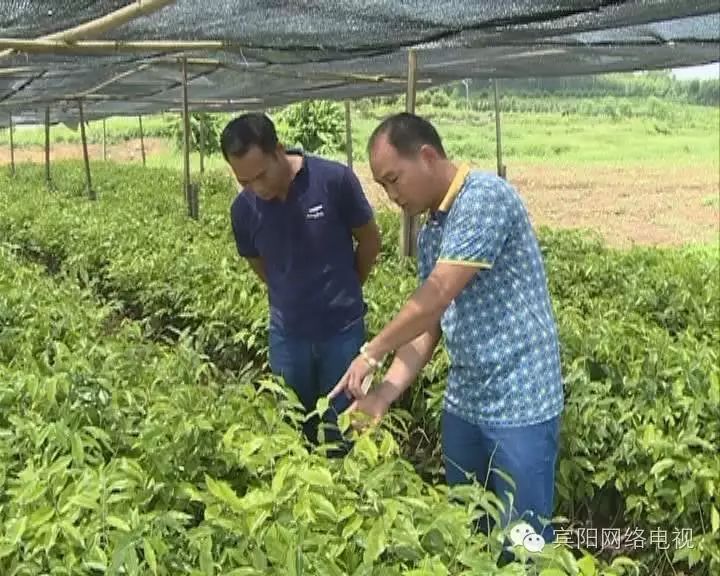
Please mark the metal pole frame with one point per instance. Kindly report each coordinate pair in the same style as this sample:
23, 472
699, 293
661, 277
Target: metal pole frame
142, 140
189, 189
202, 145
12, 148
47, 145
348, 134
408, 233
86, 158
501, 171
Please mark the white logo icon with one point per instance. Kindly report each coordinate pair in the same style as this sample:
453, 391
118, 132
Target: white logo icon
315, 212
524, 534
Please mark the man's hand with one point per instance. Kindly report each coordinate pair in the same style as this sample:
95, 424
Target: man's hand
353, 379
373, 406
259, 268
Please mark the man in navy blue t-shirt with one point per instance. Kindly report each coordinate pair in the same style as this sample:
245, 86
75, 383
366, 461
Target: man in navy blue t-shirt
295, 221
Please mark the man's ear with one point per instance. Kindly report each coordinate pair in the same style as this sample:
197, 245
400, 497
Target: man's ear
428, 154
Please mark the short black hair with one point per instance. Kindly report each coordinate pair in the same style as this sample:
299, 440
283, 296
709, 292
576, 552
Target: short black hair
407, 133
246, 131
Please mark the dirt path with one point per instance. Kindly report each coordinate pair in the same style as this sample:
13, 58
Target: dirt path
662, 206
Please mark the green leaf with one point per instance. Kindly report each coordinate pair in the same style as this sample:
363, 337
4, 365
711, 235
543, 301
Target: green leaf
78, 452
6, 549
352, 527
206, 558
41, 516
15, 530
322, 405
317, 477
625, 562
279, 479
376, 542
118, 523
661, 466
150, 557
714, 519
73, 532
587, 566
223, 492
324, 506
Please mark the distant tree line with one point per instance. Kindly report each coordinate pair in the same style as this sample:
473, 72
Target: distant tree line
657, 84
660, 84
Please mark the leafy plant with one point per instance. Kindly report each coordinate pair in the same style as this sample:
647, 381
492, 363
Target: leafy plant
315, 125
639, 333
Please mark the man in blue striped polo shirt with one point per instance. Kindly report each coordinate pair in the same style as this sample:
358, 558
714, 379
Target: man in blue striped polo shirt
484, 289
307, 230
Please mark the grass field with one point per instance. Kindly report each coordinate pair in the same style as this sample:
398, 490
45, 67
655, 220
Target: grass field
683, 134
637, 171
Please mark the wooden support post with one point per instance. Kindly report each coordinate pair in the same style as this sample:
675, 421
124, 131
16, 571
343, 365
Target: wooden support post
202, 146
498, 136
104, 141
142, 140
91, 192
12, 148
408, 233
47, 145
348, 134
189, 190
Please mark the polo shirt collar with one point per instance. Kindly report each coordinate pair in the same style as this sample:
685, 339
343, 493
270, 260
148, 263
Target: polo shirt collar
452, 192
455, 187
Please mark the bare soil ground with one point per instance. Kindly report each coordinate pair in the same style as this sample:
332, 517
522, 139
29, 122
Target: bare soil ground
629, 206
660, 206
129, 151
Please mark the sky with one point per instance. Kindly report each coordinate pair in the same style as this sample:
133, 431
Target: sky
701, 72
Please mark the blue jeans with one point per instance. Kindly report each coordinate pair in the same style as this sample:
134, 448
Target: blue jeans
527, 454
312, 369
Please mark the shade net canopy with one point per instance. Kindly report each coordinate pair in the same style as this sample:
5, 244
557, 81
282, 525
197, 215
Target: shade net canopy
266, 54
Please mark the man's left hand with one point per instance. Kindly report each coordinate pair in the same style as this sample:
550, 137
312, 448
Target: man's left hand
352, 381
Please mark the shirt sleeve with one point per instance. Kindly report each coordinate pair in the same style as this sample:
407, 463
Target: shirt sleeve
479, 222
353, 206
242, 226
424, 264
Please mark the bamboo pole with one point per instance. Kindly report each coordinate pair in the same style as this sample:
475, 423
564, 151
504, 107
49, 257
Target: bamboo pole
104, 23
108, 46
409, 224
142, 140
315, 75
112, 80
186, 146
149, 100
498, 134
202, 146
21, 70
47, 145
86, 158
104, 141
12, 148
348, 134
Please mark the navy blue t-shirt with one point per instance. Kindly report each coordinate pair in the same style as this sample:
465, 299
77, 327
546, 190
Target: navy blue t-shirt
307, 249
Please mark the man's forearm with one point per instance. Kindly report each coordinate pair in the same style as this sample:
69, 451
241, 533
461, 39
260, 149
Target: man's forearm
259, 268
419, 315
407, 364
365, 258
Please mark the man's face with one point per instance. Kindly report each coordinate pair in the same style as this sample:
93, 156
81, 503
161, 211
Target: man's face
406, 180
262, 173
